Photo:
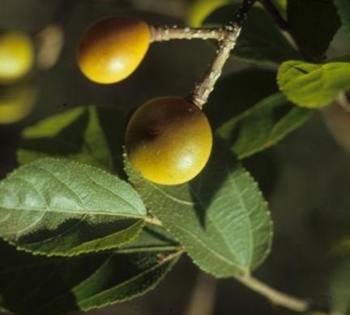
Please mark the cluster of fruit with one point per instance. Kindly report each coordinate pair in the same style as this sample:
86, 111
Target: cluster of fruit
16, 60
168, 139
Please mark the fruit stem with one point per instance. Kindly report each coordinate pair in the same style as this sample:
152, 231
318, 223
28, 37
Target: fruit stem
199, 96
166, 33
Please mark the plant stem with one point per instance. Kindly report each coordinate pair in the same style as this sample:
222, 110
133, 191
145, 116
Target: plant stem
275, 296
166, 33
202, 90
152, 220
280, 21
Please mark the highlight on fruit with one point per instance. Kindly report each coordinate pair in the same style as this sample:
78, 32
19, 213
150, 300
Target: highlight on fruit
112, 49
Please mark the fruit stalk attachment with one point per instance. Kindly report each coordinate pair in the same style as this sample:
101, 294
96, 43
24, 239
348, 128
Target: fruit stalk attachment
231, 31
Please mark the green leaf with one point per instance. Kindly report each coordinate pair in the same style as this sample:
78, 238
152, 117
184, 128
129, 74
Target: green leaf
260, 41
313, 23
75, 134
263, 125
281, 6
81, 283
313, 85
221, 218
343, 7
60, 207
151, 239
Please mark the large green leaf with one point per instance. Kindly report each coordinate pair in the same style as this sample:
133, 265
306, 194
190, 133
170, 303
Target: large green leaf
343, 7
263, 125
220, 218
313, 85
313, 23
260, 41
60, 285
60, 207
75, 134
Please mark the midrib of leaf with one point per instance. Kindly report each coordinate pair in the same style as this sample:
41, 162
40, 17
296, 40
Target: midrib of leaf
219, 234
112, 193
143, 249
214, 252
74, 193
68, 211
241, 201
195, 237
80, 211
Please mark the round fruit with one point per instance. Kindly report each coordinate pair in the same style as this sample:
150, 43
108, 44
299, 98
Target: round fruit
16, 55
113, 48
168, 140
16, 102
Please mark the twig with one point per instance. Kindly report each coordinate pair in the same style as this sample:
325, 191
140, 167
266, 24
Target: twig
166, 33
201, 92
275, 296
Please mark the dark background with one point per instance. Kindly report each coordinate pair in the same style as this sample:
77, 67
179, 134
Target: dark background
306, 178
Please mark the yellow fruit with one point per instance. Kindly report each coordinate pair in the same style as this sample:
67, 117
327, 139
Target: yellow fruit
16, 103
168, 140
113, 48
16, 55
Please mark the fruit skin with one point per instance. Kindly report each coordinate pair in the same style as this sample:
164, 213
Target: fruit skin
16, 56
113, 48
168, 140
16, 102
